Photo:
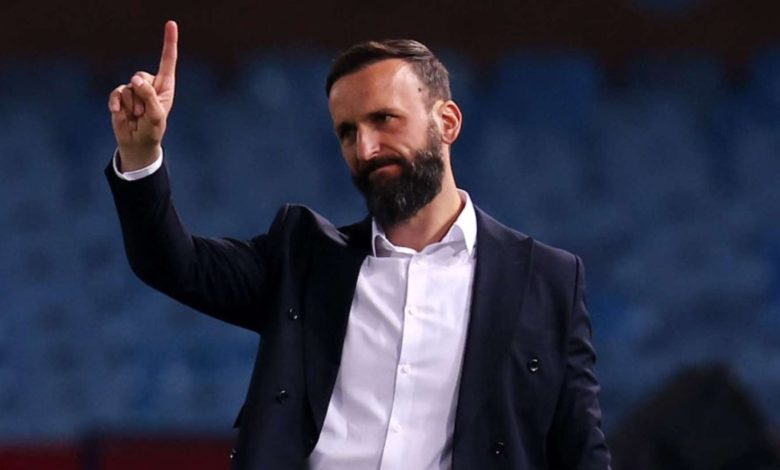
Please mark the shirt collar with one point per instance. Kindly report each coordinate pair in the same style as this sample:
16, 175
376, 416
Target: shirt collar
464, 230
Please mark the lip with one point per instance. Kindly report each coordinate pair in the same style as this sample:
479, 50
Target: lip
390, 168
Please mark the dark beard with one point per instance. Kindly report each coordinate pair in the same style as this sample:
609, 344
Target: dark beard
394, 200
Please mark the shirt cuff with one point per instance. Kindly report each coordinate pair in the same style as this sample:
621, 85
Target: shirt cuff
139, 173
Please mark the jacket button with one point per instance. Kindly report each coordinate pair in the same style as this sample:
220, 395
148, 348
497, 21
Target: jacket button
498, 448
292, 313
281, 396
533, 365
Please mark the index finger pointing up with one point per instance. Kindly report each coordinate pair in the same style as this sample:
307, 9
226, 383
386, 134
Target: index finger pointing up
169, 53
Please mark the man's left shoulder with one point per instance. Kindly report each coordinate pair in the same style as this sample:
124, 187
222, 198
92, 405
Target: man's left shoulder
546, 259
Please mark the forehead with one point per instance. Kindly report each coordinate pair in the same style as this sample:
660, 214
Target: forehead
390, 83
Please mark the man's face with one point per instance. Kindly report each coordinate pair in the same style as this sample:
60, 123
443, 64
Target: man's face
388, 138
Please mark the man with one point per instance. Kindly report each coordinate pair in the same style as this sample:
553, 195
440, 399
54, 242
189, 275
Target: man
427, 336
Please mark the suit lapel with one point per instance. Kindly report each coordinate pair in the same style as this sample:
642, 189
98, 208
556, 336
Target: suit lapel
500, 283
335, 266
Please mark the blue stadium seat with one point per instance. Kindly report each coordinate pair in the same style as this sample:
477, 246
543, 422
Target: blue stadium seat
548, 90
533, 177
651, 157
700, 79
756, 167
764, 85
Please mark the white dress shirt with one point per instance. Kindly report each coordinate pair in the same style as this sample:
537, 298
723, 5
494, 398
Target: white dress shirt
393, 405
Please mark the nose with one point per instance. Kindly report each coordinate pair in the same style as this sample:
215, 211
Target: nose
367, 143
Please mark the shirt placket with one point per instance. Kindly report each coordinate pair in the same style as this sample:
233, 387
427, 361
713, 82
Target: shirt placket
401, 428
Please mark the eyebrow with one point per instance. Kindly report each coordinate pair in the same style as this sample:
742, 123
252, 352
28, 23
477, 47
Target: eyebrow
348, 126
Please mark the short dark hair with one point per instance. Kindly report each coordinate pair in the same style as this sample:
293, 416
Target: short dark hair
427, 67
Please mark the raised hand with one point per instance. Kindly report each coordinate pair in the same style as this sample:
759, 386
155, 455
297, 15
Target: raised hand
140, 108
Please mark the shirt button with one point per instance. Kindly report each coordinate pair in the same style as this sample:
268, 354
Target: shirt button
410, 311
395, 427
406, 368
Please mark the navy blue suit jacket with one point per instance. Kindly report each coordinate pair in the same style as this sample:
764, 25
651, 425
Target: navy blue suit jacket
528, 395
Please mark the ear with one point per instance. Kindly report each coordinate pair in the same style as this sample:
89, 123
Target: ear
451, 120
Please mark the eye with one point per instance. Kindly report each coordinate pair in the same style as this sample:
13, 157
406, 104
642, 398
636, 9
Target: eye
346, 134
383, 117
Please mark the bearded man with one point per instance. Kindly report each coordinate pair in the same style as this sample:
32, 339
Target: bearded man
427, 336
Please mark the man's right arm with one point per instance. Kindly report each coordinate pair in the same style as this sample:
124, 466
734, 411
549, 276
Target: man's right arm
224, 278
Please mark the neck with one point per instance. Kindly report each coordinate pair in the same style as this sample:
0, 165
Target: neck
431, 223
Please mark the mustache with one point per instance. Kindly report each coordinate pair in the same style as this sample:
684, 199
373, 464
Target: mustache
378, 162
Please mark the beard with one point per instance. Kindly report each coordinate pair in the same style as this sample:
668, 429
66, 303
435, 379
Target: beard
393, 200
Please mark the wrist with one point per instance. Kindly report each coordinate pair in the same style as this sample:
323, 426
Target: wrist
131, 160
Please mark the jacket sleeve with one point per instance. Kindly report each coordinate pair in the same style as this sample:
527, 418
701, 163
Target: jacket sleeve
576, 438
225, 278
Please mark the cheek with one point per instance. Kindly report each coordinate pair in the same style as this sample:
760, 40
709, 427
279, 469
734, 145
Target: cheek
416, 135
399, 141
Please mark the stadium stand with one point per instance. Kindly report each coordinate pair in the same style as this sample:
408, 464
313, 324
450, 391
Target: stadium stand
666, 183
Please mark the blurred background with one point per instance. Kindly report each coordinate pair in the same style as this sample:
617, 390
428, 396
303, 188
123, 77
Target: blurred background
642, 135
